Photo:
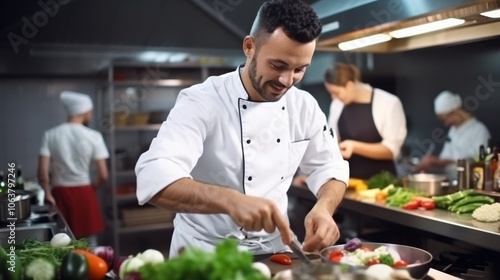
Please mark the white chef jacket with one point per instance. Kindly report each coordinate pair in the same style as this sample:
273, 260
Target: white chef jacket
215, 135
388, 116
464, 140
71, 148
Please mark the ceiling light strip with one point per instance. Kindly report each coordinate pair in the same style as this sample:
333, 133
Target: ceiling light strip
364, 42
425, 28
492, 14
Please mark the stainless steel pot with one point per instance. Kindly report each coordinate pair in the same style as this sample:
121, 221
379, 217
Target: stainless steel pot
15, 205
432, 184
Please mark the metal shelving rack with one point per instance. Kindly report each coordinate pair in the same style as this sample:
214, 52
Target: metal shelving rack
118, 202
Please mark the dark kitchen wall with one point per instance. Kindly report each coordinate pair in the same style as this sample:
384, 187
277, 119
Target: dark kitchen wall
471, 70
416, 77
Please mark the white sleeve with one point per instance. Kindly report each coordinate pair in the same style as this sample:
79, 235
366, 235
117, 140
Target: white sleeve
390, 120
479, 136
446, 152
176, 149
44, 148
336, 108
100, 149
322, 160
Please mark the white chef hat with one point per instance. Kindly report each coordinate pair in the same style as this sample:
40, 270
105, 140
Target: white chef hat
76, 103
446, 102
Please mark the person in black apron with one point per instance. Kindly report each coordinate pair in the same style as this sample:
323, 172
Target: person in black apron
370, 122
365, 131
371, 127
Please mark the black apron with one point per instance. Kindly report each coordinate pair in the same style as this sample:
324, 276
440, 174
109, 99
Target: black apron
356, 123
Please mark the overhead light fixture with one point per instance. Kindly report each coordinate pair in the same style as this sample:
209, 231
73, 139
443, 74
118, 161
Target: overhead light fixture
492, 14
426, 27
363, 42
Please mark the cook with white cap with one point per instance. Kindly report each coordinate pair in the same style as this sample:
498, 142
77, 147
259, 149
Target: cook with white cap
465, 135
66, 153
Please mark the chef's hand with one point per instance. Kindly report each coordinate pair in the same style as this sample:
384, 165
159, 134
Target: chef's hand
50, 199
321, 230
256, 213
426, 163
347, 148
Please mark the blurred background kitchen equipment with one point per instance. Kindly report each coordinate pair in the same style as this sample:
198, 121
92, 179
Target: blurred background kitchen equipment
411, 158
463, 174
158, 117
17, 206
122, 160
432, 184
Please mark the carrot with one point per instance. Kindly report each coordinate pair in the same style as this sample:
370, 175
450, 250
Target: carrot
97, 266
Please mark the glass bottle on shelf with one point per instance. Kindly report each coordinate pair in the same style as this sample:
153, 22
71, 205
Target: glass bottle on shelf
3, 185
494, 159
496, 177
19, 179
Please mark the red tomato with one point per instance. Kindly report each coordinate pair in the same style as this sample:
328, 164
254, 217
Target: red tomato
417, 198
336, 259
428, 205
400, 263
372, 262
335, 256
97, 266
412, 205
281, 259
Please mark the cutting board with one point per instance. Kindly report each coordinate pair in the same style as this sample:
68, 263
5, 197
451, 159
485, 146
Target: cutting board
276, 267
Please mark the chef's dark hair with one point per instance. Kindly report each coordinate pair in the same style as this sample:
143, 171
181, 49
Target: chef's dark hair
298, 20
342, 73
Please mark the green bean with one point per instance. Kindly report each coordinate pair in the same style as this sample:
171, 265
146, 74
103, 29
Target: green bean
471, 199
453, 197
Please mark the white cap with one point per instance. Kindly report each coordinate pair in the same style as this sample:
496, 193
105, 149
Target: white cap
76, 103
446, 102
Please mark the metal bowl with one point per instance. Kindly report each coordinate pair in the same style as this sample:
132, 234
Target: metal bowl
433, 184
15, 205
419, 261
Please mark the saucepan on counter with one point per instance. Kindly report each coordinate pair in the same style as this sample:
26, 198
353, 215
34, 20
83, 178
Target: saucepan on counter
15, 205
433, 184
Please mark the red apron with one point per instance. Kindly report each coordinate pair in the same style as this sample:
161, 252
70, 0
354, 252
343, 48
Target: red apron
80, 208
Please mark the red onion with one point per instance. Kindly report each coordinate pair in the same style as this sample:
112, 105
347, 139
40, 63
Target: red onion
352, 245
106, 253
117, 263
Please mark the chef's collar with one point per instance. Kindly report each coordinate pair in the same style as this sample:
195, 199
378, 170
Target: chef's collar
242, 92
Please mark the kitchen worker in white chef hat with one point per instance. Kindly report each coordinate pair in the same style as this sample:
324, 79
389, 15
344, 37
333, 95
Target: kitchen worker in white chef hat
225, 157
465, 135
67, 152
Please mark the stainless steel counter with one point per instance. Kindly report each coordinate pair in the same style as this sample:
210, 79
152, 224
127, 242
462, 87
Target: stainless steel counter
460, 227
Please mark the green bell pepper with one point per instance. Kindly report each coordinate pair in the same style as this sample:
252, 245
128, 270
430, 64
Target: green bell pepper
74, 266
12, 268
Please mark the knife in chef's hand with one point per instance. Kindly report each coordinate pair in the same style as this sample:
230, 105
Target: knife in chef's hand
297, 250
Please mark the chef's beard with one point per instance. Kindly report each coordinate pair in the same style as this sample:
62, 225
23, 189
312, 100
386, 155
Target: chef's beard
256, 81
86, 122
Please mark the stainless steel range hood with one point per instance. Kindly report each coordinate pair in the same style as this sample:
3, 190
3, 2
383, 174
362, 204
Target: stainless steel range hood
382, 16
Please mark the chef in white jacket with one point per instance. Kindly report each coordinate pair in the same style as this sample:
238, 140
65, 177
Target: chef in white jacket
465, 136
225, 157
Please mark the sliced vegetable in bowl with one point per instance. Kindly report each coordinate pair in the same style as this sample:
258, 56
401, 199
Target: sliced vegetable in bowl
416, 261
